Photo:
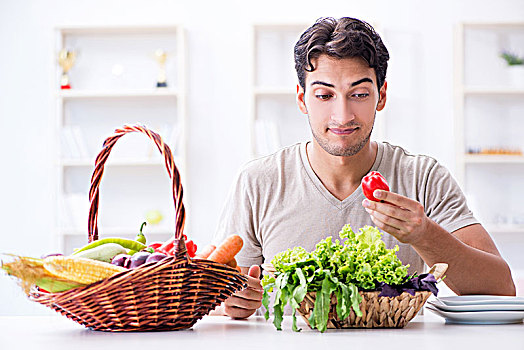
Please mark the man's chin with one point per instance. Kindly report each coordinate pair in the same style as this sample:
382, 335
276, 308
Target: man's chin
342, 150
342, 146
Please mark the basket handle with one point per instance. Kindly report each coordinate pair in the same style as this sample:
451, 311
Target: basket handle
171, 169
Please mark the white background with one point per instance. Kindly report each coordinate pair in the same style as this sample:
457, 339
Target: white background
418, 34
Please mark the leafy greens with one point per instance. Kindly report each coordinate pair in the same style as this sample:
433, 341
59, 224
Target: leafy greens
361, 262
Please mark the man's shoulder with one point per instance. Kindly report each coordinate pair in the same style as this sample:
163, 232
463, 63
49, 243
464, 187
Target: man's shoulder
400, 156
271, 164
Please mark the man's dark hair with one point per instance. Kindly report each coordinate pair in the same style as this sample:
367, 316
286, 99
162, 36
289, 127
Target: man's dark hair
341, 38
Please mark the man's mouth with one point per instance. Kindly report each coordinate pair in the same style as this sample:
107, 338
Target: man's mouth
343, 131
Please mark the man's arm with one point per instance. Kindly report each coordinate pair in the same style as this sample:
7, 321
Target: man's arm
474, 263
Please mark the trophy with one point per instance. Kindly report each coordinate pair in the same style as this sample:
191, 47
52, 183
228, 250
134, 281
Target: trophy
161, 56
66, 60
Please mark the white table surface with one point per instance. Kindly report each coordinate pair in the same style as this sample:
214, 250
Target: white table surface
216, 332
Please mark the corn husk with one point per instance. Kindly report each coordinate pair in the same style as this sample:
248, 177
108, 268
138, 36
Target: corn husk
30, 271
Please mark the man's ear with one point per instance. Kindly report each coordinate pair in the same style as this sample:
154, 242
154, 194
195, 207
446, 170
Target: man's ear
382, 97
300, 99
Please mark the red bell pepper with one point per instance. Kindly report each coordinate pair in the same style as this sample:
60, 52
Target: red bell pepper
166, 247
155, 245
169, 248
371, 182
191, 248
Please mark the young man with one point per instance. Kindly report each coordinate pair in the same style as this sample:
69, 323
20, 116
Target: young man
308, 191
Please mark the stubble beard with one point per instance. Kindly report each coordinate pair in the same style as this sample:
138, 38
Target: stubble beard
341, 151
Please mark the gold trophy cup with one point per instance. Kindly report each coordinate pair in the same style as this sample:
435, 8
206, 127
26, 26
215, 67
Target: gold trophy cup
161, 57
66, 60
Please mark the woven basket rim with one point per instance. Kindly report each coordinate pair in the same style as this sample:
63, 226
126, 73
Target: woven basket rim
404, 308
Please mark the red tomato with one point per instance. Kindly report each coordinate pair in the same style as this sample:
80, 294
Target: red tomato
371, 182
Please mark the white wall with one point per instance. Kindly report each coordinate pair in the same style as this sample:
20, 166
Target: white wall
417, 33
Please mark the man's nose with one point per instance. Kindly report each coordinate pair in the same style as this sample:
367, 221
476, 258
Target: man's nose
342, 112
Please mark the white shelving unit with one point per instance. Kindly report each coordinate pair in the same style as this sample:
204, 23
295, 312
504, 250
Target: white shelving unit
113, 82
489, 113
275, 119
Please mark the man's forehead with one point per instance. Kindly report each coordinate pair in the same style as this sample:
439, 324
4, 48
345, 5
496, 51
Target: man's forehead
332, 76
328, 69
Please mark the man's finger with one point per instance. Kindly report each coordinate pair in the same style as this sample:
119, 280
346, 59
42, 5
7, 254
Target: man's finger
243, 303
250, 294
254, 271
386, 219
387, 209
395, 199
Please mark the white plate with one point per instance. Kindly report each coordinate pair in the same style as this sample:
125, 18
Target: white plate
480, 317
481, 300
476, 307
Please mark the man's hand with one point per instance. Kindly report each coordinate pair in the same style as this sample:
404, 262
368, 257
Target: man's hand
399, 216
244, 303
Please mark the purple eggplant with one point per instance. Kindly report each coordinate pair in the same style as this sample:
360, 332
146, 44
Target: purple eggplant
121, 260
138, 259
155, 257
51, 254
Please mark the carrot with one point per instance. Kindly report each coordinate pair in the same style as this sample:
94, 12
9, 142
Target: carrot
208, 249
227, 250
232, 263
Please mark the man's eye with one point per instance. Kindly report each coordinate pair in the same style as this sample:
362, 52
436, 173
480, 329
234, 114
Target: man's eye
323, 97
360, 96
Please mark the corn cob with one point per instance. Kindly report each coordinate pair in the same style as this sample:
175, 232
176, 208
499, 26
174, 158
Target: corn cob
80, 270
31, 271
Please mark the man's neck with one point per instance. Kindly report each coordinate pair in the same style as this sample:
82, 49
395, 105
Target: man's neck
341, 176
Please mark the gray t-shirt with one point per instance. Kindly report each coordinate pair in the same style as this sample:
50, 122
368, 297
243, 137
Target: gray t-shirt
278, 202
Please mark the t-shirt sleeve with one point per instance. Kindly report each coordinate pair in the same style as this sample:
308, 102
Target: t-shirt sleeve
237, 218
445, 202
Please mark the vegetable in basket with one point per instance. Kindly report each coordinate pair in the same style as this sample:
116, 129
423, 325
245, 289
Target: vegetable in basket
138, 259
168, 247
140, 237
105, 252
58, 273
227, 250
361, 263
206, 252
157, 256
126, 243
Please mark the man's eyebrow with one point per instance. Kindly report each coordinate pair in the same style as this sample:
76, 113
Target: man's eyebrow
318, 82
363, 80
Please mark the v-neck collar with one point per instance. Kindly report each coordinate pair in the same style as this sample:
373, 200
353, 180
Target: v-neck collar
353, 197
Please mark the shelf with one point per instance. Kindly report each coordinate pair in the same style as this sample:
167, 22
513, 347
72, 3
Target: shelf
493, 159
494, 25
498, 91
113, 162
85, 94
140, 29
274, 91
501, 229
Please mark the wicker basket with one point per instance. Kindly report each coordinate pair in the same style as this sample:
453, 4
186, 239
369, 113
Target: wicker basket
169, 295
377, 312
